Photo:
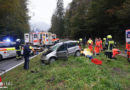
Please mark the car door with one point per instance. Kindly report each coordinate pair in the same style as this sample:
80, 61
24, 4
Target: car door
62, 51
71, 48
13, 50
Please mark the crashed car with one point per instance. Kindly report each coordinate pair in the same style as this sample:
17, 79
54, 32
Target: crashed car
61, 51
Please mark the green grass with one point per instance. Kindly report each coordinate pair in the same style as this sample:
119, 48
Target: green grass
78, 73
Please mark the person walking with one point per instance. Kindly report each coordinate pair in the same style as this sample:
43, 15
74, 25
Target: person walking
26, 54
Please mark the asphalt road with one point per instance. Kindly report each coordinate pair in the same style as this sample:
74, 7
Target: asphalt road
9, 63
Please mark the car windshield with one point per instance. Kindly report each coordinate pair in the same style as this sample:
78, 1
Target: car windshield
53, 48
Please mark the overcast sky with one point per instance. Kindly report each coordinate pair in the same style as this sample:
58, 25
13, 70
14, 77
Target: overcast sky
42, 10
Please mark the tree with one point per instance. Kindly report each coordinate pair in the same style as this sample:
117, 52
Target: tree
57, 26
13, 18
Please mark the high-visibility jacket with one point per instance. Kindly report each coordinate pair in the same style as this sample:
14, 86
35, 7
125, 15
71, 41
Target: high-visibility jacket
30, 47
101, 44
90, 42
104, 43
110, 45
90, 45
97, 47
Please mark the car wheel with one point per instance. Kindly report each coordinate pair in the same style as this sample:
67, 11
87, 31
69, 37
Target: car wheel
52, 60
0, 57
77, 54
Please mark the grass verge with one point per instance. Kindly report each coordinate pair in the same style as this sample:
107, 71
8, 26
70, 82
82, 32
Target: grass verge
77, 73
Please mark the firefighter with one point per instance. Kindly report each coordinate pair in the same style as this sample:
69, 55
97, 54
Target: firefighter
104, 43
18, 49
80, 41
110, 46
90, 44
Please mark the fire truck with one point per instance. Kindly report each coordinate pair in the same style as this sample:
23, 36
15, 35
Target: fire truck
41, 38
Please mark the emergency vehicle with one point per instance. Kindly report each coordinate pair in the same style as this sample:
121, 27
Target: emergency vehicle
40, 38
54, 39
128, 43
7, 50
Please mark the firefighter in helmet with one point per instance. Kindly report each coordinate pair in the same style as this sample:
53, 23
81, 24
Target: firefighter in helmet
80, 41
18, 49
110, 46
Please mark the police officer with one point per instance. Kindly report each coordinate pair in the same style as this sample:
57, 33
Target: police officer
18, 49
26, 54
110, 46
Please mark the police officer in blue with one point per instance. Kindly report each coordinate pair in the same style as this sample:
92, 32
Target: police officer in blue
26, 54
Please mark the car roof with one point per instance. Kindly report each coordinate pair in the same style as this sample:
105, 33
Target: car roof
70, 41
60, 43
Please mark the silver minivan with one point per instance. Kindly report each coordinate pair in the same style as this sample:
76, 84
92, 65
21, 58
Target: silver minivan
61, 51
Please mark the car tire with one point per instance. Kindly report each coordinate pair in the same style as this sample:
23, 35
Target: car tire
77, 54
51, 60
1, 58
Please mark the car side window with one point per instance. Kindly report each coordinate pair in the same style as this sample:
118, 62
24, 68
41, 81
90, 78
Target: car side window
71, 45
62, 48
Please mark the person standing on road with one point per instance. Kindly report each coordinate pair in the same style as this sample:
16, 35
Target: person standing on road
18, 49
26, 54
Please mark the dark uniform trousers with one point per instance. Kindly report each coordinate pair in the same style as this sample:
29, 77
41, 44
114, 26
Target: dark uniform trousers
26, 56
110, 47
26, 64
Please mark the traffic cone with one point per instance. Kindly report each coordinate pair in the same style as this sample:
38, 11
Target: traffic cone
1, 84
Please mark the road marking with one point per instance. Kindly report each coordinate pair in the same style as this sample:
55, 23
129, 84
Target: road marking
17, 65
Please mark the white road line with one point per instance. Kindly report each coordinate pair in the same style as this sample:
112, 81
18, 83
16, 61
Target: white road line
16, 66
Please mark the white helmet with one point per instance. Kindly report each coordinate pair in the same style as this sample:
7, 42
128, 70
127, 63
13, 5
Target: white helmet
18, 40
